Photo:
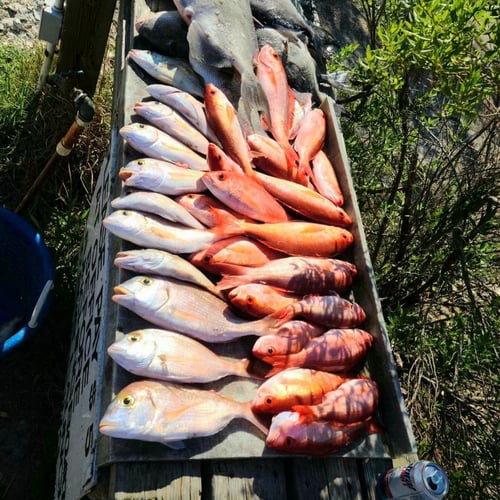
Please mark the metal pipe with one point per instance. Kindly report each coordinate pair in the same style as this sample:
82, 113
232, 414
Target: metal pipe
84, 116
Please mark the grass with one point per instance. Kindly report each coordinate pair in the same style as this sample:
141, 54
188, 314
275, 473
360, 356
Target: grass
33, 377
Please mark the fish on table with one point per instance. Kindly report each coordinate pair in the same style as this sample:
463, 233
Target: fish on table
289, 432
245, 195
289, 338
192, 109
168, 120
153, 142
156, 204
296, 386
172, 71
186, 308
162, 263
272, 77
234, 255
295, 237
259, 300
305, 201
303, 275
353, 401
161, 176
221, 37
310, 138
336, 350
174, 357
168, 413
325, 179
270, 158
151, 231
217, 159
223, 119
204, 207
331, 310
300, 66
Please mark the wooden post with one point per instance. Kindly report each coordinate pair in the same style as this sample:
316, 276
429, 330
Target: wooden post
84, 36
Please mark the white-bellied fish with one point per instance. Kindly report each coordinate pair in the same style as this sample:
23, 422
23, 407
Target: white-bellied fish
155, 143
168, 70
157, 204
162, 177
150, 231
185, 104
162, 263
186, 308
153, 410
172, 356
169, 121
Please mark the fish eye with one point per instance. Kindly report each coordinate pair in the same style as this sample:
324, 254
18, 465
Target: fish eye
147, 281
140, 162
249, 300
221, 176
269, 400
141, 125
134, 338
270, 350
128, 400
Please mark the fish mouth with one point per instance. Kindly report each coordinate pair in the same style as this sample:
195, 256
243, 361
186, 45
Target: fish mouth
125, 174
121, 290
123, 256
114, 350
103, 425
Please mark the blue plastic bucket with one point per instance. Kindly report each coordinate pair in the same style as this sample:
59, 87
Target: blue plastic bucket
26, 280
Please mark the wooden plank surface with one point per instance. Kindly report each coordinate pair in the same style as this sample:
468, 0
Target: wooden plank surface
250, 479
156, 480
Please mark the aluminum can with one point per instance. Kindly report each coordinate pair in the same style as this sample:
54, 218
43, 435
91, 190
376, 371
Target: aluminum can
422, 480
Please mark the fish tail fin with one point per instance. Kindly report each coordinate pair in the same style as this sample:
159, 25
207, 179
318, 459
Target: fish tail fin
304, 169
251, 417
254, 101
226, 226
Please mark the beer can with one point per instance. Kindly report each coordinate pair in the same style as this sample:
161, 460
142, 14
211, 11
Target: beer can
421, 480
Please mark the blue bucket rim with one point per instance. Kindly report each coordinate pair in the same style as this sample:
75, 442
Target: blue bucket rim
26, 230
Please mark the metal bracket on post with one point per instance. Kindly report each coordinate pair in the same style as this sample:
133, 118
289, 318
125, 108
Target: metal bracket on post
50, 24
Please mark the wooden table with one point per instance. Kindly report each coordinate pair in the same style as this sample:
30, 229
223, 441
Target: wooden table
141, 475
